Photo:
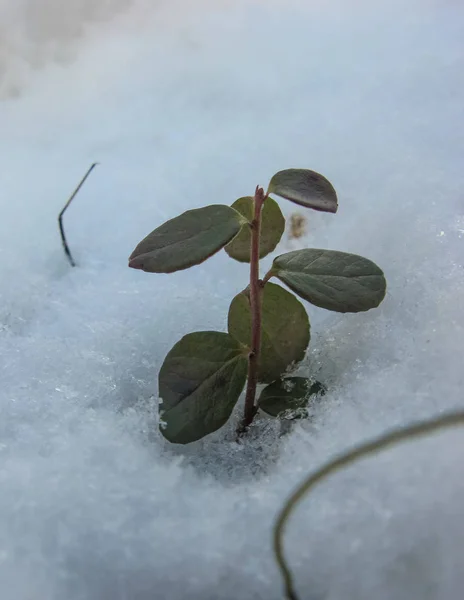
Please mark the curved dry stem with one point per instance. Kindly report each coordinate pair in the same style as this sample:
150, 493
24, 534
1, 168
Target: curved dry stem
66, 249
453, 419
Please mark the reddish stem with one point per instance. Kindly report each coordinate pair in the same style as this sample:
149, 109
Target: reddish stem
255, 304
266, 278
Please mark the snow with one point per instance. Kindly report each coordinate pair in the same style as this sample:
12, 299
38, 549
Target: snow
184, 105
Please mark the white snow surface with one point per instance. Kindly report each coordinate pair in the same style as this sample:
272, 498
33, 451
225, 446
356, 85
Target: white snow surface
186, 104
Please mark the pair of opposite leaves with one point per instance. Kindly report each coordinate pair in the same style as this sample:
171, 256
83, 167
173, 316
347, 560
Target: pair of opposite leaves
197, 234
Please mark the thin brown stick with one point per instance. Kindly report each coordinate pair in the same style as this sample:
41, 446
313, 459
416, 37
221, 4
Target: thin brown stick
392, 438
60, 216
255, 305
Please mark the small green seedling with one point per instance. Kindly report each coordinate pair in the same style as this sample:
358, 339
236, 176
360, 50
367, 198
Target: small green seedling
204, 374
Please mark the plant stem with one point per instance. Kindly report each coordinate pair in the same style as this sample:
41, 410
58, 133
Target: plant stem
255, 305
60, 216
268, 275
370, 448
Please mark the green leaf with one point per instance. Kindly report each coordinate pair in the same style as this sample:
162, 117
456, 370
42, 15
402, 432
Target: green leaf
284, 331
200, 382
187, 240
333, 280
289, 397
272, 228
305, 187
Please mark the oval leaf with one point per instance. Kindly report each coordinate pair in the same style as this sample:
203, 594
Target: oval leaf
306, 188
289, 397
200, 382
333, 280
272, 229
285, 329
187, 240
